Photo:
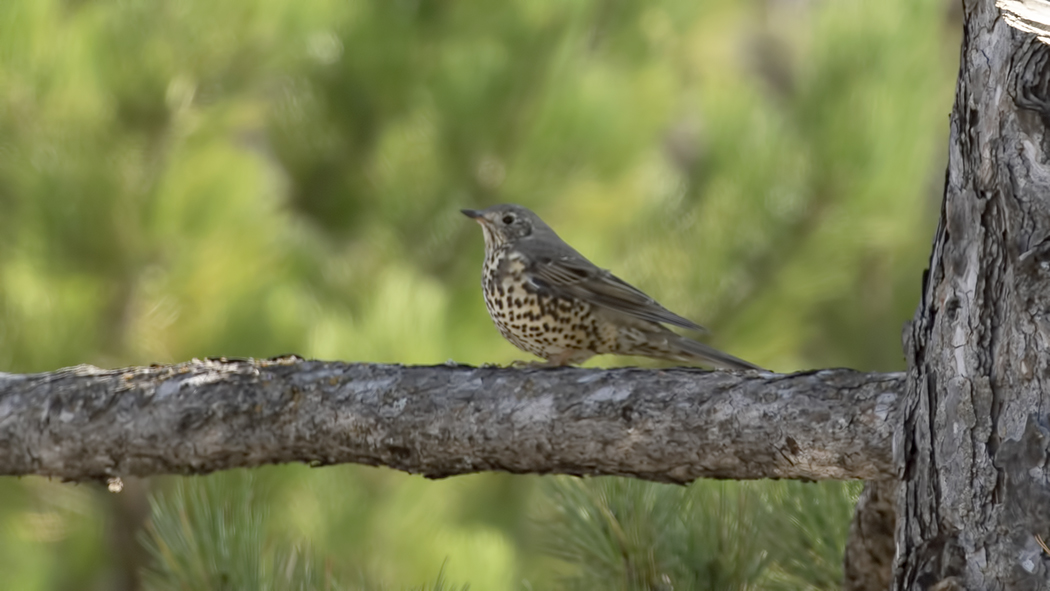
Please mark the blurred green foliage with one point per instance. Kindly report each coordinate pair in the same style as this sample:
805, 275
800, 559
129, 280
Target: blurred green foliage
616, 533
211, 534
251, 178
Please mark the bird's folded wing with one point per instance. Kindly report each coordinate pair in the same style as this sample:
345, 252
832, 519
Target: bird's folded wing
570, 278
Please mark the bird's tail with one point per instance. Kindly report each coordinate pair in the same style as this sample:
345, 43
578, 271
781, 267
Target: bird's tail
675, 347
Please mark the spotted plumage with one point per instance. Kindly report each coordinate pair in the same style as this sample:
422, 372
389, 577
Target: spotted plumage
548, 300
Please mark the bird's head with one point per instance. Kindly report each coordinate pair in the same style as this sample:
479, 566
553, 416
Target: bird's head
506, 223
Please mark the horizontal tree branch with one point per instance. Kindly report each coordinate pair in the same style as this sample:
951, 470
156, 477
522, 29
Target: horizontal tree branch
673, 425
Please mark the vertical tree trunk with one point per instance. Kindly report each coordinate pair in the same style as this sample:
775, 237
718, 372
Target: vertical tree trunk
868, 563
974, 501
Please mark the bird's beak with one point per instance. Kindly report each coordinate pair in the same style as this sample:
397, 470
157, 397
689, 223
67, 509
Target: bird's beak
472, 214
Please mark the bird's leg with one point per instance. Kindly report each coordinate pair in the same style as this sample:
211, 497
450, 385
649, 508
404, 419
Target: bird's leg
520, 364
565, 358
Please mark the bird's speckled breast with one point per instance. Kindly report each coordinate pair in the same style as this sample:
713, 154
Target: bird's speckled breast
538, 323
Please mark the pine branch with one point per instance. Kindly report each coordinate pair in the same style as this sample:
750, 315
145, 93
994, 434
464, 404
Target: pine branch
675, 425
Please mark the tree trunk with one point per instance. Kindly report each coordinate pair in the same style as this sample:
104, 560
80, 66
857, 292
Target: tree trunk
868, 563
974, 503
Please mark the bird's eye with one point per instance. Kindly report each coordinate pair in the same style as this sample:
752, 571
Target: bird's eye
508, 219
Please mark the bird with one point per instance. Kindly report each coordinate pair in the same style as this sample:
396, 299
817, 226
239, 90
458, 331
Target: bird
549, 300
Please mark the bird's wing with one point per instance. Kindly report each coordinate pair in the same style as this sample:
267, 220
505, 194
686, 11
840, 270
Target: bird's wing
573, 276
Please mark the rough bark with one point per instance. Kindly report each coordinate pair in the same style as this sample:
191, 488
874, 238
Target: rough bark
972, 451
665, 425
868, 563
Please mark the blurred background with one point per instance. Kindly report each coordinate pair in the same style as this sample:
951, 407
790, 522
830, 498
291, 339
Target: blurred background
191, 178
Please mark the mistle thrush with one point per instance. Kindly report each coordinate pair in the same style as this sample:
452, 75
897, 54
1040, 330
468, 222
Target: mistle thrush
549, 300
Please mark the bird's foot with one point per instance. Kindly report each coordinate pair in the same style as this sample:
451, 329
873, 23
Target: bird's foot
521, 364
564, 359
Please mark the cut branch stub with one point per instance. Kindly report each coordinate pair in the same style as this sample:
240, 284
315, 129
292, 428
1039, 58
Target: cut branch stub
674, 425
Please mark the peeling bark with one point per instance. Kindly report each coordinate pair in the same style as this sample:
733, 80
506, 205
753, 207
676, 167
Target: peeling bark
674, 425
972, 450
